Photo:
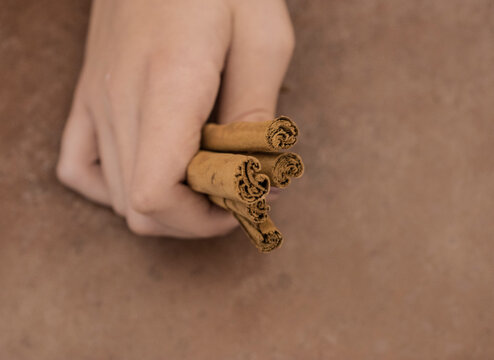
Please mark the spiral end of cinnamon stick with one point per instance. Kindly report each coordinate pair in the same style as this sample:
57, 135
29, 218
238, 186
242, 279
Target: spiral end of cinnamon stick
258, 211
271, 241
251, 185
287, 166
282, 133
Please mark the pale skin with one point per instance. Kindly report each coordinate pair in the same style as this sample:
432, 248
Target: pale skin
151, 75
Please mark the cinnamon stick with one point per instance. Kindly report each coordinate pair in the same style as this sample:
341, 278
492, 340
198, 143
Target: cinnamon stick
264, 136
265, 236
230, 176
280, 167
256, 212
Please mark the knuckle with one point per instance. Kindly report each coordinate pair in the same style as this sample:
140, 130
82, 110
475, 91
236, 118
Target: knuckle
68, 173
139, 225
280, 43
290, 41
143, 200
119, 209
284, 42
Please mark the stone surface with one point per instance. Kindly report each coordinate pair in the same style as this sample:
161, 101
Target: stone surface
389, 251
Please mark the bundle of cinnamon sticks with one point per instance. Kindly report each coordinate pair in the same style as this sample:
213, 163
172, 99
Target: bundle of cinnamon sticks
236, 166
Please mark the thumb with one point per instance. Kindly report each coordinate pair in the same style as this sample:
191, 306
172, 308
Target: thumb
261, 50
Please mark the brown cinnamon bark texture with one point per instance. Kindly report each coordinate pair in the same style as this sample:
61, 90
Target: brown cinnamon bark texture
230, 176
265, 236
265, 136
256, 212
280, 167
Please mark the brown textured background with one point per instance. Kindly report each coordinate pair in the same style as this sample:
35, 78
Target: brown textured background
389, 251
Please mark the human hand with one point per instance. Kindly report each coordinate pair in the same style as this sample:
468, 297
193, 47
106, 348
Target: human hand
150, 79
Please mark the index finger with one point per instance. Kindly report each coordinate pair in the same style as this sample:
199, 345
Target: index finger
176, 104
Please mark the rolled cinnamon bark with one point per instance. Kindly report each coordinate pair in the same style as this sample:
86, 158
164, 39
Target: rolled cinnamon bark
256, 212
230, 176
265, 236
280, 168
264, 136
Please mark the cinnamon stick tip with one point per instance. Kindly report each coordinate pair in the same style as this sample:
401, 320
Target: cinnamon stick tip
282, 133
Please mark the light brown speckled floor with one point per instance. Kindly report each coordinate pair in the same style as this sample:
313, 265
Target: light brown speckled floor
390, 248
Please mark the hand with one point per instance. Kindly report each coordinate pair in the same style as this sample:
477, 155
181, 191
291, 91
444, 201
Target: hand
150, 79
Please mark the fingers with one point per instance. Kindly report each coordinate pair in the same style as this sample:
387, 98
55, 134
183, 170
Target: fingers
78, 166
178, 99
261, 50
189, 215
171, 118
144, 225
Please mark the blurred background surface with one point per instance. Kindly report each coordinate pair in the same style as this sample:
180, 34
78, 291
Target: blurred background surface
389, 249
